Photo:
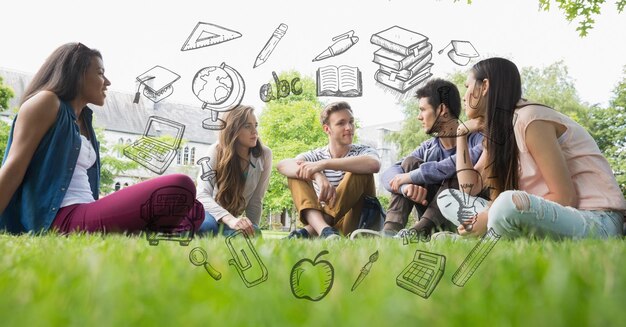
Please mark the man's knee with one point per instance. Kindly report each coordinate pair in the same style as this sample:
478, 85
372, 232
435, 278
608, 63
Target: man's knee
363, 181
410, 163
295, 183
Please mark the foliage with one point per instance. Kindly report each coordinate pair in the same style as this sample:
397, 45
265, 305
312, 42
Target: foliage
586, 10
608, 128
5, 129
289, 126
113, 280
552, 86
111, 166
384, 200
6, 93
411, 135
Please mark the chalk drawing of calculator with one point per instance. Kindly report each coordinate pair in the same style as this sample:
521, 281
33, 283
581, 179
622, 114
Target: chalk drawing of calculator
422, 275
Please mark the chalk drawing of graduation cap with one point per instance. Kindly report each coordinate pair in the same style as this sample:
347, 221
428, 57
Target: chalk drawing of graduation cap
461, 53
157, 83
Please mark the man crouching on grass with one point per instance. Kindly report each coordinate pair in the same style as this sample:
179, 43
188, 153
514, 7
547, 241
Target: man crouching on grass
328, 184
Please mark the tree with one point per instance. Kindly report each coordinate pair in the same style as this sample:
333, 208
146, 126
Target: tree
110, 166
289, 126
573, 9
554, 87
551, 86
608, 128
6, 93
585, 9
4, 138
411, 135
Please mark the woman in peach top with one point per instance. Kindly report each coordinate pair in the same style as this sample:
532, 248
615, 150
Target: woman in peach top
546, 175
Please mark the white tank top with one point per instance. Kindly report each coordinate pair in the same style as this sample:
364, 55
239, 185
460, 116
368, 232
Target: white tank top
79, 190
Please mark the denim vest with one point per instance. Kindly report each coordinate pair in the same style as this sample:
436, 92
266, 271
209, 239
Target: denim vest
36, 201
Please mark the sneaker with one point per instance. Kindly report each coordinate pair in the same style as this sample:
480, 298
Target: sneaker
330, 233
388, 233
446, 235
403, 233
299, 233
363, 233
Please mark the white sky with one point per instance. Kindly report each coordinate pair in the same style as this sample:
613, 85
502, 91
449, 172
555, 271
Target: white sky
134, 36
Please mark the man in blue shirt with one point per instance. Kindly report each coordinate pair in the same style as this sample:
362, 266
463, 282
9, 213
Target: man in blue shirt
415, 180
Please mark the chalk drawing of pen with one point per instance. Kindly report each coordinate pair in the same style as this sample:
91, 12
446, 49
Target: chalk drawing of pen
342, 43
270, 45
365, 270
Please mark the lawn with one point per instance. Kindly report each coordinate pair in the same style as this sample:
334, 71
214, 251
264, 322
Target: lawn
91, 280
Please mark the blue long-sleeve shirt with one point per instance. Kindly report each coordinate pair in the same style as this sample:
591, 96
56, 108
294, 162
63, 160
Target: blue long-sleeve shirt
439, 163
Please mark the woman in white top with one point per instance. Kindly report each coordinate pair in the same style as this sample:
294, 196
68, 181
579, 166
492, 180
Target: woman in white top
239, 174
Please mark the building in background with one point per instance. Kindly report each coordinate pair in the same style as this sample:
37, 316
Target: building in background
123, 122
375, 136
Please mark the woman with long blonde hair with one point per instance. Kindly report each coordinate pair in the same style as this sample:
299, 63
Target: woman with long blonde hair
242, 167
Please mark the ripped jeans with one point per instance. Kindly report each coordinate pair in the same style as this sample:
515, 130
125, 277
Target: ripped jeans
517, 213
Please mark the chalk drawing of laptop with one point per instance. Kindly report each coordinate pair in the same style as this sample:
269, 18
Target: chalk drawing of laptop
157, 148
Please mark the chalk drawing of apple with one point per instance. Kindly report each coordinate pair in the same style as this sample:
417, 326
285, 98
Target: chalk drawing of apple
312, 280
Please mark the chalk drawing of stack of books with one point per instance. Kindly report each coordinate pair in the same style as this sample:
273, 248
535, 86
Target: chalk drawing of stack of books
404, 58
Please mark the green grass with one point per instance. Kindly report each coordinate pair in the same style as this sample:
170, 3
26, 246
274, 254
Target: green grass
89, 280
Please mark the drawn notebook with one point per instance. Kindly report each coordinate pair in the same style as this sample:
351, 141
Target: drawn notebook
398, 62
397, 84
342, 81
398, 39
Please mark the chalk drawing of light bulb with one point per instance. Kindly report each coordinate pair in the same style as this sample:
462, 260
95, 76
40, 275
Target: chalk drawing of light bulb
460, 201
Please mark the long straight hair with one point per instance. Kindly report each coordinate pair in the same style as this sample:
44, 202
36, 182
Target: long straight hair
230, 176
63, 72
505, 90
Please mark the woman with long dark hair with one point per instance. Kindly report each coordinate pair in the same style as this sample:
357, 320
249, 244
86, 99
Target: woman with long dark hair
50, 176
545, 173
242, 167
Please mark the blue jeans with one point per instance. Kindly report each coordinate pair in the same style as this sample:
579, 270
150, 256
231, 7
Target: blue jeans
536, 216
210, 227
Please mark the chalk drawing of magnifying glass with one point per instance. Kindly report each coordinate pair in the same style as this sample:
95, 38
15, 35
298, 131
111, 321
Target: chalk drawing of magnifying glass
198, 257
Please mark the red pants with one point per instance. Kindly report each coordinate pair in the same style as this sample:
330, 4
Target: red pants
166, 203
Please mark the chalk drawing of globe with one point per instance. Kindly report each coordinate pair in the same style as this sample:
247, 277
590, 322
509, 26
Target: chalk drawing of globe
220, 88
212, 85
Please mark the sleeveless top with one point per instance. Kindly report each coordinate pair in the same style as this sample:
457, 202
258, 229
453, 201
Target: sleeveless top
591, 174
37, 200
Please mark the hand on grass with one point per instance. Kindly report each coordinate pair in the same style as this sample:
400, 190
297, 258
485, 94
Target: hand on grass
242, 223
